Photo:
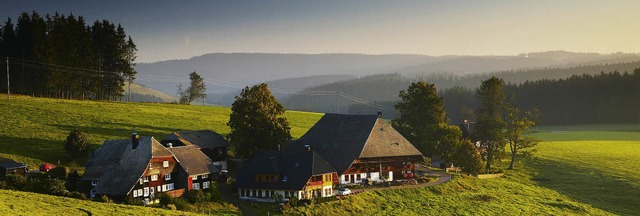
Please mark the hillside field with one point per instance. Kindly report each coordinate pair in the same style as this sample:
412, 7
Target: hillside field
33, 130
577, 170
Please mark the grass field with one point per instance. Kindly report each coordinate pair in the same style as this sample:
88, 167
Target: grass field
577, 170
33, 130
26, 203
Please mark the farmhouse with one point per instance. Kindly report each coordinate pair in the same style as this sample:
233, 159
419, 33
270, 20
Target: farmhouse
210, 143
361, 148
271, 176
138, 168
12, 168
196, 169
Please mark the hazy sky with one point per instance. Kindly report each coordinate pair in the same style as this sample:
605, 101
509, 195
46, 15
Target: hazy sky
181, 29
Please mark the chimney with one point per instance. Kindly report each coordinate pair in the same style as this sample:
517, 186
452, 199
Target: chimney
135, 140
308, 147
379, 113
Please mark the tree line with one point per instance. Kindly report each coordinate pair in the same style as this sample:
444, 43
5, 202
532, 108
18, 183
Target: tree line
63, 56
612, 97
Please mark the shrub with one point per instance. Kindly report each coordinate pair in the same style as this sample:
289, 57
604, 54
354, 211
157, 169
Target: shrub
181, 204
104, 198
165, 199
16, 182
294, 201
77, 195
131, 201
47, 186
59, 172
76, 144
196, 196
3, 185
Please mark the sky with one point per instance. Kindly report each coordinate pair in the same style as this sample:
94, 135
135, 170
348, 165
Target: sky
165, 30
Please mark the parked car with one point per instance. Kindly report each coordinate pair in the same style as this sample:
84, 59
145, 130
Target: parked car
344, 191
45, 167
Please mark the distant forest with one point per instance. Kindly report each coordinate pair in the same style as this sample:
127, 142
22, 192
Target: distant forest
575, 95
62, 56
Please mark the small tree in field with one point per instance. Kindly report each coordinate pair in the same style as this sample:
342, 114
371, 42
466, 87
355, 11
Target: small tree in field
468, 157
196, 89
518, 123
76, 144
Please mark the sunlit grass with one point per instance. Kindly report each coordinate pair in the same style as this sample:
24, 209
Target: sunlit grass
32, 130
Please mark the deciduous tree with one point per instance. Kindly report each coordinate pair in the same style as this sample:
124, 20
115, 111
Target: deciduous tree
256, 121
196, 89
76, 144
518, 123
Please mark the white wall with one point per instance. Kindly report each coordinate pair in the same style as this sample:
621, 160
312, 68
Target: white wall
375, 177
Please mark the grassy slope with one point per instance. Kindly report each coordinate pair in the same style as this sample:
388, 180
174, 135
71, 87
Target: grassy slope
135, 88
33, 130
26, 203
585, 171
601, 168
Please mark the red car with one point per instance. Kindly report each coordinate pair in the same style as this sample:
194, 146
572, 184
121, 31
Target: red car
45, 167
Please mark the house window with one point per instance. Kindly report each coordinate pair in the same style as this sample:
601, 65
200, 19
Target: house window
139, 192
151, 190
92, 194
346, 178
146, 192
358, 177
145, 178
158, 188
167, 176
254, 193
196, 186
94, 183
154, 178
165, 164
205, 185
135, 193
259, 193
205, 176
164, 187
287, 194
170, 186
242, 192
150, 165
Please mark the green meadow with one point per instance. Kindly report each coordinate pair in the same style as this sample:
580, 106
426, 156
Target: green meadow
33, 130
575, 170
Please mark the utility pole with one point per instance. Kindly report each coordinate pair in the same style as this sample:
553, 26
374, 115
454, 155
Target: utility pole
8, 83
129, 95
337, 95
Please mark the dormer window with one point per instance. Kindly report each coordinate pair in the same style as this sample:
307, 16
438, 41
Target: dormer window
165, 164
94, 183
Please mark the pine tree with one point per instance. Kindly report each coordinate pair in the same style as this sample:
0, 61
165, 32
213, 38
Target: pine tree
490, 123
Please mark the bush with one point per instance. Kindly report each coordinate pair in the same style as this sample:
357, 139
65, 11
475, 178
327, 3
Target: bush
3, 185
76, 144
165, 199
131, 201
294, 201
59, 172
196, 196
181, 204
47, 186
77, 195
16, 182
104, 198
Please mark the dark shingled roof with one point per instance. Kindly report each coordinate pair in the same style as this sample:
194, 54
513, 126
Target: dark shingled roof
9, 165
294, 166
342, 139
192, 160
118, 167
201, 138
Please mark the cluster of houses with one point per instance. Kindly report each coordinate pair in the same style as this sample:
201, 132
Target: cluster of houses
143, 168
338, 150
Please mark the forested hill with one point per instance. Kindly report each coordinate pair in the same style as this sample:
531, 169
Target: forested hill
383, 89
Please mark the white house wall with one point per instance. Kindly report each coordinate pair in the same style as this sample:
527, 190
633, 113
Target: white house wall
375, 177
